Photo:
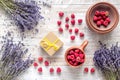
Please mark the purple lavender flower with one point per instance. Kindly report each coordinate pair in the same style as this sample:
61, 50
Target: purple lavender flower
108, 61
12, 62
25, 13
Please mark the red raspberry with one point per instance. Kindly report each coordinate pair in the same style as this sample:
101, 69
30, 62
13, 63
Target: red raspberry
70, 30
58, 70
99, 18
68, 57
104, 17
73, 22
61, 14
72, 16
40, 69
46, 63
67, 19
95, 18
67, 26
97, 13
71, 52
74, 60
75, 64
60, 29
77, 50
79, 21
72, 38
35, 64
78, 59
98, 23
82, 60
102, 13
86, 70
72, 57
40, 59
76, 54
92, 70
76, 30
81, 34
105, 23
51, 70
71, 62
59, 23
102, 21
81, 56
108, 19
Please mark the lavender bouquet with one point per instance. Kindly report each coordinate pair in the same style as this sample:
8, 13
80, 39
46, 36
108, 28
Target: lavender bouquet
108, 61
25, 13
12, 63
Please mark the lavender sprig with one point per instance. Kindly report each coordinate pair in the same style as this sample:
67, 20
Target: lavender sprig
108, 61
25, 13
12, 62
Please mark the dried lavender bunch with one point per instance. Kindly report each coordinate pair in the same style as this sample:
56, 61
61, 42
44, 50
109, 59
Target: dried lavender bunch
108, 61
25, 13
12, 63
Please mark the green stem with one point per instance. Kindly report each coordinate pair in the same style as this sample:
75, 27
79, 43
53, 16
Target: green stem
5, 5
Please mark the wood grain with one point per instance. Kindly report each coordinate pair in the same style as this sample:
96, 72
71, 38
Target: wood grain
79, 7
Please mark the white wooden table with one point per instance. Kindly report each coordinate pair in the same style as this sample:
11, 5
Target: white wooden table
79, 8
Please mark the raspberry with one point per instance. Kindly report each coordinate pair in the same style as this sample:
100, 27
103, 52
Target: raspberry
95, 18
76, 30
72, 16
68, 57
102, 21
108, 19
74, 60
66, 19
59, 23
81, 56
70, 30
72, 38
77, 50
35, 64
71, 52
40, 59
75, 64
51, 70
97, 13
99, 18
81, 34
58, 70
105, 23
67, 26
102, 13
92, 70
79, 21
71, 62
104, 17
72, 57
76, 54
73, 22
61, 14
82, 60
78, 59
86, 69
46, 63
40, 69
60, 29
98, 23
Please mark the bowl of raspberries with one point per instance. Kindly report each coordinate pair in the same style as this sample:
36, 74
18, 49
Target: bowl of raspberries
75, 56
102, 17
